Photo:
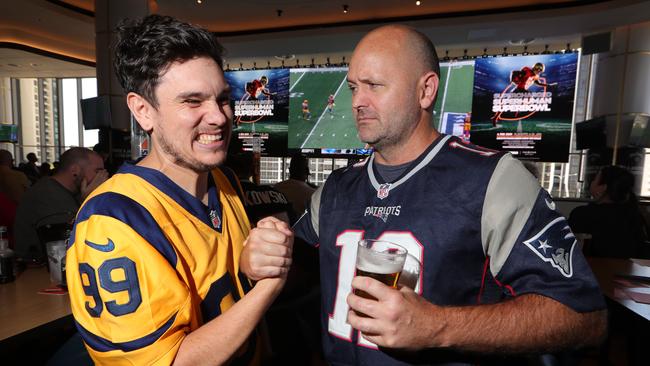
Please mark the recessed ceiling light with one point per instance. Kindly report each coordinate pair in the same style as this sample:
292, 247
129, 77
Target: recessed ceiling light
199, 1
418, 3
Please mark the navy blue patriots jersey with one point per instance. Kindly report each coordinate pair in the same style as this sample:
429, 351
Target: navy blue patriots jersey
478, 221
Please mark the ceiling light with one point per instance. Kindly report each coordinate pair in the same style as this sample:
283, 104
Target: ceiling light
199, 1
345, 9
418, 3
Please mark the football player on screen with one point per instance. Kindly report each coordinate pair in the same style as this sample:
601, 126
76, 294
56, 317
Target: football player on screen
330, 105
306, 114
523, 79
257, 89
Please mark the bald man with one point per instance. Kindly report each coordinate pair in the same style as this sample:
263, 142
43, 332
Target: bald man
56, 199
499, 271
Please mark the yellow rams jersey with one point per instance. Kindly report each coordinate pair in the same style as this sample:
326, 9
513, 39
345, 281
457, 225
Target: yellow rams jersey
148, 263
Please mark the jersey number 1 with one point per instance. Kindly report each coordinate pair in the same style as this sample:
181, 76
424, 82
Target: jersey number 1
348, 241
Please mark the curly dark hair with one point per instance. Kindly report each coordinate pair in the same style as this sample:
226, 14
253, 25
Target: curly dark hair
146, 47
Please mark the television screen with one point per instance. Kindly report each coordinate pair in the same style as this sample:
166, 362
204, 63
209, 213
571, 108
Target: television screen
320, 115
96, 112
260, 101
318, 130
524, 104
454, 100
8, 133
590, 134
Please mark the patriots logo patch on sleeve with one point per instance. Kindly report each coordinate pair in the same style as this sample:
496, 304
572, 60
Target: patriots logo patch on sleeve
554, 244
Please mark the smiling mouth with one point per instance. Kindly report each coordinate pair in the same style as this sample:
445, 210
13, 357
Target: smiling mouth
206, 139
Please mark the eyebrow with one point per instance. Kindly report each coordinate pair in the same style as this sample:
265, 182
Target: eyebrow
201, 95
364, 80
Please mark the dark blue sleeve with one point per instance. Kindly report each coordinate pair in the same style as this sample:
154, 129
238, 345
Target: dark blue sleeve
546, 260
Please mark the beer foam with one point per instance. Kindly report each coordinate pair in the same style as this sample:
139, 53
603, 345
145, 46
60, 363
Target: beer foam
379, 265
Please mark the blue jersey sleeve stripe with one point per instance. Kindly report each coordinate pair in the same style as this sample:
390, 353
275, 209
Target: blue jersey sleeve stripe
134, 215
101, 344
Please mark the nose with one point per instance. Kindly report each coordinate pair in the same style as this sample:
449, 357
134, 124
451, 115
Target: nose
359, 99
217, 113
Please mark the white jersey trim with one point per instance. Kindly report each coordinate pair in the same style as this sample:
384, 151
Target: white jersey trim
417, 168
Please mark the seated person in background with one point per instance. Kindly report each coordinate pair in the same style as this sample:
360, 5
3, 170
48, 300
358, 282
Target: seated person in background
296, 188
614, 219
56, 199
260, 201
13, 183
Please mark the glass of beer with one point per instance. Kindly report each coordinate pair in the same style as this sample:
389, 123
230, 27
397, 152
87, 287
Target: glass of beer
381, 260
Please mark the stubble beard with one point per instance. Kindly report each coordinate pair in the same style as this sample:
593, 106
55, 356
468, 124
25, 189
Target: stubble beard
179, 160
389, 141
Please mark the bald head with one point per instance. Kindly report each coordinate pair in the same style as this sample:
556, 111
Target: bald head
393, 77
412, 47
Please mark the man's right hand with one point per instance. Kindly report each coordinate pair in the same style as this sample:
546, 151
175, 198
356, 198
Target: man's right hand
267, 250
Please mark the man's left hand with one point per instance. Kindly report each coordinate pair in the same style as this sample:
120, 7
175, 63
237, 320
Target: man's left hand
397, 319
87, 187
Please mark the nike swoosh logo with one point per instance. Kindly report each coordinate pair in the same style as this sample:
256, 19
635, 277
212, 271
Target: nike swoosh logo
108, 247
550, 204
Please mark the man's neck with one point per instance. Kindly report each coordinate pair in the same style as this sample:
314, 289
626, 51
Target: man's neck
194, 183
67, 181
404, 151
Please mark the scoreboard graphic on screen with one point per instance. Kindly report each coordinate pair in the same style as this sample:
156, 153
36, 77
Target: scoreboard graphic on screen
260, 101
524, 105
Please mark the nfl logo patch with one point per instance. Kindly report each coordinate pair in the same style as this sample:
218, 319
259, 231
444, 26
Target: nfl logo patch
383, 191
215, 220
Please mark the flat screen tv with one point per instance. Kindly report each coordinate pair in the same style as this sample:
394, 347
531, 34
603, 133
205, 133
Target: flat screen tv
260, 101
96, 112
8, 133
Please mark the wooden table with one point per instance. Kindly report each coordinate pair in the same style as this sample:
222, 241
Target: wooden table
606, 271
23, 309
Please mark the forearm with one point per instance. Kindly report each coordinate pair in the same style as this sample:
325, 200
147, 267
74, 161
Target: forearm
528, 323
216, 342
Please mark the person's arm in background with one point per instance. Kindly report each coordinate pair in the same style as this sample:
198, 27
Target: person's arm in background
88, 187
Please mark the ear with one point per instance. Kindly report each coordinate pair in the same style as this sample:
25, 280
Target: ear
429, 88
142, 111
75, 169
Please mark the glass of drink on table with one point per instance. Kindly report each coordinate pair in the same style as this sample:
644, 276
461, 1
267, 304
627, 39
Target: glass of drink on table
381, 260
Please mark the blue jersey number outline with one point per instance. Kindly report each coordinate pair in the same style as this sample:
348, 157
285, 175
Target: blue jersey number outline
129, 284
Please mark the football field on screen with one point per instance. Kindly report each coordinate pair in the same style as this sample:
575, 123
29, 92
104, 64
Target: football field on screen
334, 130
455, 89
